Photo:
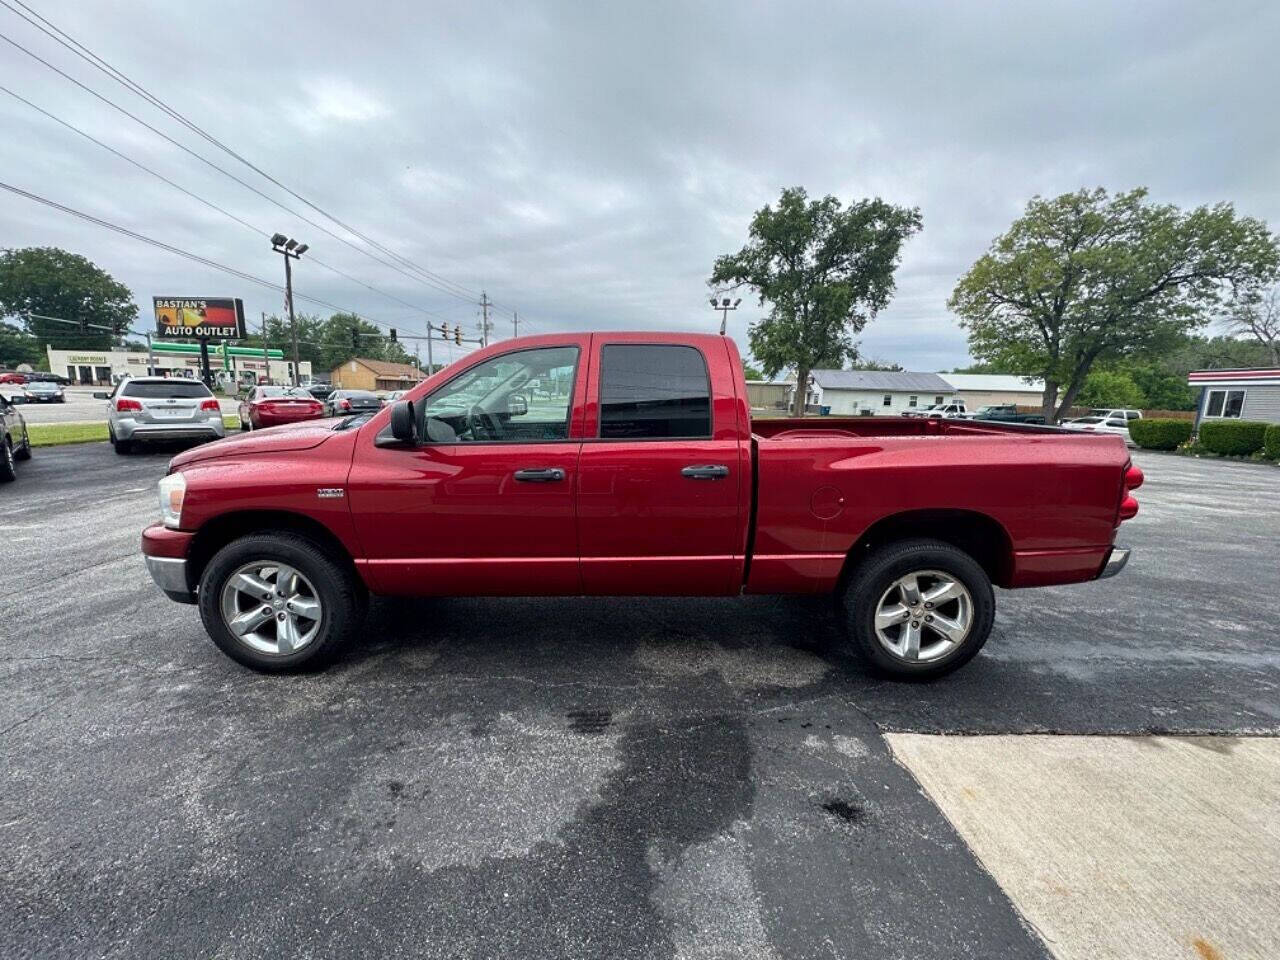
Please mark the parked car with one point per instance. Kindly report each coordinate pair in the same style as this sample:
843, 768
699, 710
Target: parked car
13, 438
1116, 414
273, 406
1113, 425
646, 477
46, 375
320, 391
395, 395
12, 376
43, 391
342, 403
141, 409
949, 410
1005, 413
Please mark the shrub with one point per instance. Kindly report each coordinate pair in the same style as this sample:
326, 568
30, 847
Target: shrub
1232, 438
1271, 442
1159, 434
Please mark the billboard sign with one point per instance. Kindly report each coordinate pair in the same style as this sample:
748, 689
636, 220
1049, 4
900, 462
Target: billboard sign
218, 318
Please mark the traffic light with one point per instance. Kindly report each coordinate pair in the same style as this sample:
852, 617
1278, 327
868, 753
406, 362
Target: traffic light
355, 338
457, 335
393, 334
444, 331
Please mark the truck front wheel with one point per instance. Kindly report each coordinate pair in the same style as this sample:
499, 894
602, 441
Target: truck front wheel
918, 609
275, 602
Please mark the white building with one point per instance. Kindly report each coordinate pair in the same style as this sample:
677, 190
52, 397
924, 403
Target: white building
876, 392
987, 389
99, 367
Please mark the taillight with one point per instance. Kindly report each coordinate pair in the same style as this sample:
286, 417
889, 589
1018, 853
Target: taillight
346, 404
210, 404
124, 404
1133, 478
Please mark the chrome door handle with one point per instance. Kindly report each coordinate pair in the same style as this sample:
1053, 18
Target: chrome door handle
710, 471
540, 475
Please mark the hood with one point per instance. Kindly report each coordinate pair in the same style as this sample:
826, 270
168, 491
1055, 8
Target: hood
294, 436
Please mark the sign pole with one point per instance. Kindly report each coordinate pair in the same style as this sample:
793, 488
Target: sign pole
151, 358
205, 373
266, 358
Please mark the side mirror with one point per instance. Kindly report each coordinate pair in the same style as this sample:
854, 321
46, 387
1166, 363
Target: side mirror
17, 400
403, 423
99, 395
440, 432
517, 405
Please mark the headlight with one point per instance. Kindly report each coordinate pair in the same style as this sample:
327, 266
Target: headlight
173, 489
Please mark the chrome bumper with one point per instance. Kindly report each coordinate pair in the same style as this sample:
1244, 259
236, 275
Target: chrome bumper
170, 575
1116, 560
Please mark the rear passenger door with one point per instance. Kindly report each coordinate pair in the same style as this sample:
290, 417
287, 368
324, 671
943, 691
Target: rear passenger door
659, 475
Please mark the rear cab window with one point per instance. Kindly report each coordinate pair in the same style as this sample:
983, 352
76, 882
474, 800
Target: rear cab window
654, 391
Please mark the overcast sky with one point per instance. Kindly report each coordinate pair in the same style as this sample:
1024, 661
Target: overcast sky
586, 165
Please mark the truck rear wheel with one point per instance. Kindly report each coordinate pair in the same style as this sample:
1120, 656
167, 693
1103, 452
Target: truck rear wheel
918, 609
275, 602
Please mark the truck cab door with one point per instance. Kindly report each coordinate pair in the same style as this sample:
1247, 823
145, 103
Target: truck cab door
485, 505
661, 486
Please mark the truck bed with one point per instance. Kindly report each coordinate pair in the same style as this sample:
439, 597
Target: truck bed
804, 428
1042, 502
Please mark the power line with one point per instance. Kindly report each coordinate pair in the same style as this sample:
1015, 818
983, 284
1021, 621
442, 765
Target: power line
66, 40
214, 166
176, 250
258, 231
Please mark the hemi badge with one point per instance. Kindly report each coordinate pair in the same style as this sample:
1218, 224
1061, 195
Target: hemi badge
330, 493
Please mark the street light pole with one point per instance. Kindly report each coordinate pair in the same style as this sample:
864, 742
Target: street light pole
290, 249
724, 307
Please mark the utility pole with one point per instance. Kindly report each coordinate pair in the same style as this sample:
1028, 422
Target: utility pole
266, 356
430, 363
290, 249
724, 307
515, 323
485, 303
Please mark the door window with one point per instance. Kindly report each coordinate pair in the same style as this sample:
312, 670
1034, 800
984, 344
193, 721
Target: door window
512, 398
653, 391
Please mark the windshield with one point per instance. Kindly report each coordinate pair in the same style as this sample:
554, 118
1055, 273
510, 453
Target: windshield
1088, 420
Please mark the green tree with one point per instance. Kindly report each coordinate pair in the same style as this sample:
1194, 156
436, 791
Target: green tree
824, 269
1087, 277
55, 283
751, 373
1110, 388
17, 346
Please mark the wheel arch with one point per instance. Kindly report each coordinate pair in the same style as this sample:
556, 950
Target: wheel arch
218, 531
977, 534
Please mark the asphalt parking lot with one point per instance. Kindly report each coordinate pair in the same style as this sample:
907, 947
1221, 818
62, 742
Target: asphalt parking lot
563, 778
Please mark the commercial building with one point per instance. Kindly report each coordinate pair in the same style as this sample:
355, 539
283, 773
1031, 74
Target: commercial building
1252, 394
360, 373
241, 364
867, 393
989, 389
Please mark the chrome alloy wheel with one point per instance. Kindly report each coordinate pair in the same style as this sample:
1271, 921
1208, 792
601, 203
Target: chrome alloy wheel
923, 616
271, 607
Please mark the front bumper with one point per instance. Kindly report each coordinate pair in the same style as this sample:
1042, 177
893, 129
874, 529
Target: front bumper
165, 553
1116, 560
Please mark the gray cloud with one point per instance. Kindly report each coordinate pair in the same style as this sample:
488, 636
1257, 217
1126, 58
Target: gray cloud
586, 163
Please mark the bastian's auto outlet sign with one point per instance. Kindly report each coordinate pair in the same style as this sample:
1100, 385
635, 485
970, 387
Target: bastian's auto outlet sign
214, 318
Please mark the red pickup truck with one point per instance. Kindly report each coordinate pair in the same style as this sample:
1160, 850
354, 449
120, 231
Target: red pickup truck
627, 463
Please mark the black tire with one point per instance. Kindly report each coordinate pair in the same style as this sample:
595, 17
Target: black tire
122, 447
7, 472
340, 594
875, 577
